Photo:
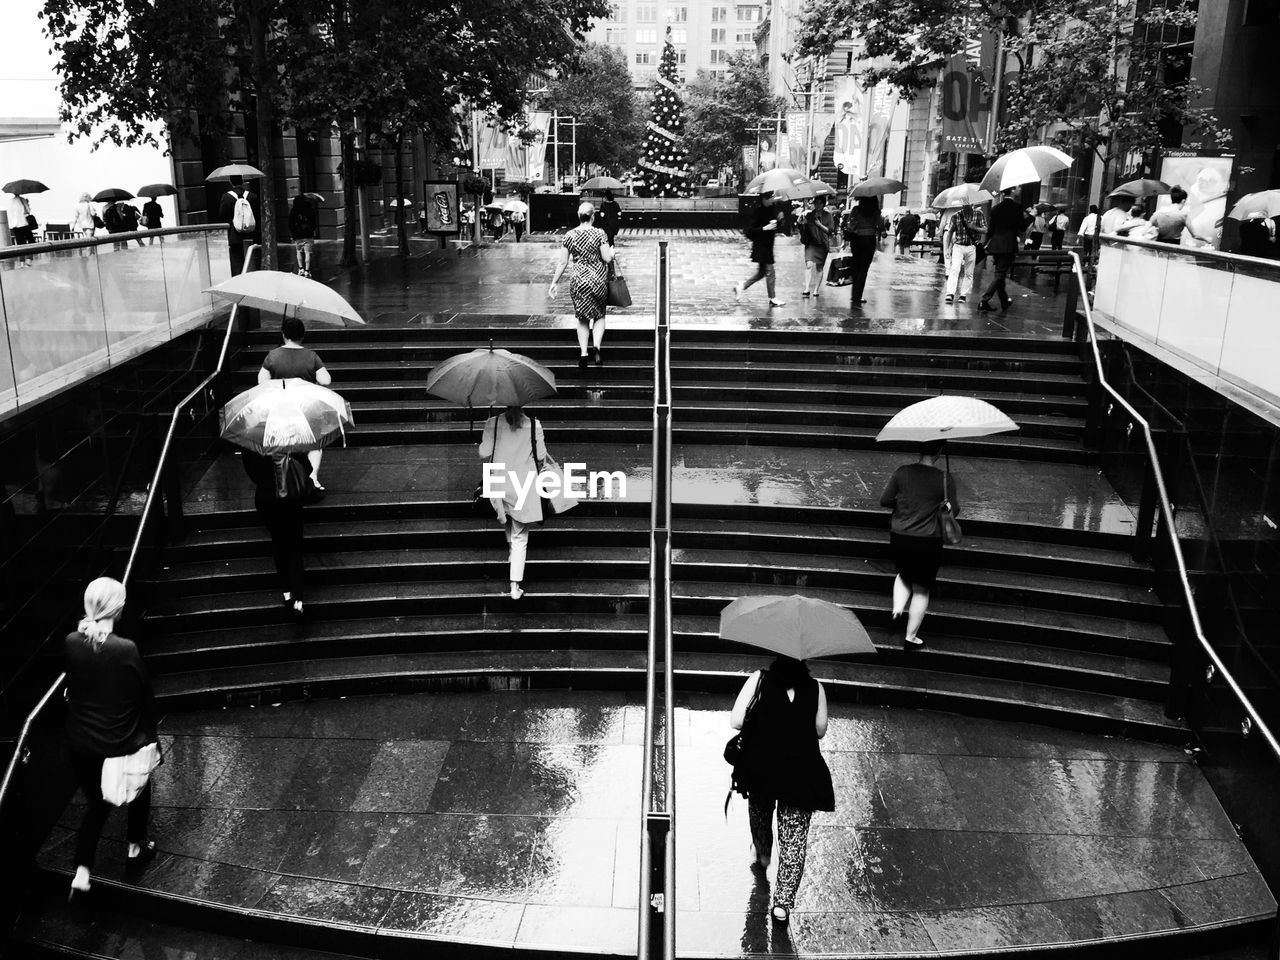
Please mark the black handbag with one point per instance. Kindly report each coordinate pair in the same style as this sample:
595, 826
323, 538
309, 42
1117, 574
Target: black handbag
735, 750
948, 525
617, 294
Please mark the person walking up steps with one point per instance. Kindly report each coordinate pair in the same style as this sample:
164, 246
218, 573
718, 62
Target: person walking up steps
782, 712
914, 493
762, 232
292, 359
589, 250
515, 445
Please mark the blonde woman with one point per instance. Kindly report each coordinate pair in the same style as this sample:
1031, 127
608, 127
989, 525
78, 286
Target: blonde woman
509, 442
110, 713
588, 248
82, 219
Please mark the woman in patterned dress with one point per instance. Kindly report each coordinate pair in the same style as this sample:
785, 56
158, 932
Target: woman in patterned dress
588, 247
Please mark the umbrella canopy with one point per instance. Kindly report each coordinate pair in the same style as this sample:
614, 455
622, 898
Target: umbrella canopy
111, 195
154, 190
780, 181
515, 206
491, 378
1140, 188
242, 170
1028, 165
946, 418
877, 187
1263, 204
495, 208
603, 183
287, 293
795, 626
285, 416
961, 195
22, 187
315, 197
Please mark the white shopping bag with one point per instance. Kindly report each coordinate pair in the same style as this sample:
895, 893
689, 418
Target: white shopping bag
124, 777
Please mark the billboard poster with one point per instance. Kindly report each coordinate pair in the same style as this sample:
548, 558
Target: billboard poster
798, 134
850, 127
749, 165
882, 100
960, 109
442, 206
1206, 179
536, 151
766, 155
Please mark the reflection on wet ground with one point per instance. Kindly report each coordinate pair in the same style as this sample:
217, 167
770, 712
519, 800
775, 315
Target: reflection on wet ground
513, 818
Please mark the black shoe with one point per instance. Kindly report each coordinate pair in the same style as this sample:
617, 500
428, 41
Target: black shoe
1005, 305
985, 307
146, 854
582, 363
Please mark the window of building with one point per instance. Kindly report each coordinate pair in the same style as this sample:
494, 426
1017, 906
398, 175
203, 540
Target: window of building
717, 74
680, 35
718, 34
617, 13
646, 36
719, 56
719, 14
745, 36
682, 56
646, 14
644, 56
749, 14
679, 14
616, 36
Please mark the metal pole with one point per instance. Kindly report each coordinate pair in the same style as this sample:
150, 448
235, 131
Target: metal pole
555, 120
997, 83
360, 197
813, 96
573, 125
475, 167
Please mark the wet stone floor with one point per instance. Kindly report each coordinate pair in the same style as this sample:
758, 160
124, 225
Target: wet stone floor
513, 819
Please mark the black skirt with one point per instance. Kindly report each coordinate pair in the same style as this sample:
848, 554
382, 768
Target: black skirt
916, 558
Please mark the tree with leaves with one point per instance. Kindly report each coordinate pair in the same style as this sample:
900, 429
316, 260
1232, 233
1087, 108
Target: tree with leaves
1106, 75
724, 110
597, 91
665, 166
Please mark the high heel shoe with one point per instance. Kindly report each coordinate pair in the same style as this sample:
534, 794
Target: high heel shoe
597, 356
582, 362
146, 853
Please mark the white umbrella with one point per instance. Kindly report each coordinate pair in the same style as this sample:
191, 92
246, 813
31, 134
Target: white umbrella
285, 416
515, 206
946, 418
1028, 165
961, 195
287, 293
242, 170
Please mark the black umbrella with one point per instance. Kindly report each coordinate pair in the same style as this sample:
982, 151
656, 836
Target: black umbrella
154, 190
20, 187
112, 194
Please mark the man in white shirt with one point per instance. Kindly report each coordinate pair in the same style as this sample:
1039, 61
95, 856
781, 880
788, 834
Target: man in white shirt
1114, 218
1088, 231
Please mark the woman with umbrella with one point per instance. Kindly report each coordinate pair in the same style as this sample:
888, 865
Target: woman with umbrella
292, 360
765, 223
861, 229
914, 493
589, 249
515, 446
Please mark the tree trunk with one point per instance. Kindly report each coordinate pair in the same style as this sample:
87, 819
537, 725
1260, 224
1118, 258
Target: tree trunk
400, 224
350, 198
257, 17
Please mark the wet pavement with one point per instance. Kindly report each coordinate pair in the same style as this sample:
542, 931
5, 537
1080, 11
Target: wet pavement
514, 819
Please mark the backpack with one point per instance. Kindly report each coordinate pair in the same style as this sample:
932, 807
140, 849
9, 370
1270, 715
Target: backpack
293, 482
111, 218
242, 218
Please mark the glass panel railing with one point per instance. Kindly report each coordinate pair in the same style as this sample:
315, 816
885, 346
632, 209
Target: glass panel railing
72, 309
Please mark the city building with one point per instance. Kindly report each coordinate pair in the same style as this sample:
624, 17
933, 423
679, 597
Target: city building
705, 33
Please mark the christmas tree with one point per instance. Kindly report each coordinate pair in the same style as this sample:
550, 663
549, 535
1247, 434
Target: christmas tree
665, 165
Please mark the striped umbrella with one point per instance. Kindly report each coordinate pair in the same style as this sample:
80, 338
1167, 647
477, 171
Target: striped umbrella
1028, 165
946, 418
961, 195
285, 416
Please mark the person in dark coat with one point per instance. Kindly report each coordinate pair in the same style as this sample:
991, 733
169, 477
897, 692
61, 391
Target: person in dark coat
610, 216
1003, 230
282, 516
765, 223
110, 713
908, 227
226, 213
861, 229
914, 493
782, 713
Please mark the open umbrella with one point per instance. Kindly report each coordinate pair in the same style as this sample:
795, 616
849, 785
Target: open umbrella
961, 195
603, 183
877, 187
154, 190
1027, 165
781, 181
111, 195
1265, 203
515, 206
20, 188
242, 170
946, 418
491, 378
285, 416
315, 197
287, 293
1140, 188
795, 626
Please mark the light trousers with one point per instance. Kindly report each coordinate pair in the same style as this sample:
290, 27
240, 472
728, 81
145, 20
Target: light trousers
961, 262
518, 540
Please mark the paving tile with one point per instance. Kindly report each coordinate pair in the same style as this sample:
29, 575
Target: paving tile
209, 880
1122, 914
879, 933
335, 846
408, 852
336, 903
455, 918
401, 775
329, 776
985, 928
602, 929
574, 862
192, 766
489, 856
257, 773
1210, 901
260, 839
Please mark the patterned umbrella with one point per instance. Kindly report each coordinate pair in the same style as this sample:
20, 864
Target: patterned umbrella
877, 187
287, 293
946, 418
1140, 188
491, 378
285, 416
795, 626
961, 195
1263, 204
1028, 165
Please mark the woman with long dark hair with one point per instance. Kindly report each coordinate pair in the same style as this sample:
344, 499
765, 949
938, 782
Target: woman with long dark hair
861, 229
782, 712
110, 713
914, 493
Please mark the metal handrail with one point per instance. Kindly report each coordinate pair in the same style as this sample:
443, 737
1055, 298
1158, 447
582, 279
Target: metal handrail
22, 251
20, 745
1166, 508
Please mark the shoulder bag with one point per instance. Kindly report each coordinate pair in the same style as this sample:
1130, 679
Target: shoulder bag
480, 504
124, 777
948, 525
618, 294
560, 502
735, 749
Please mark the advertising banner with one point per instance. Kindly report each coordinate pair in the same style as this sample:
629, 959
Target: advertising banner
850, 126
798, 136
1206, 179
882, 100
749, 162
442, 206
535, 168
